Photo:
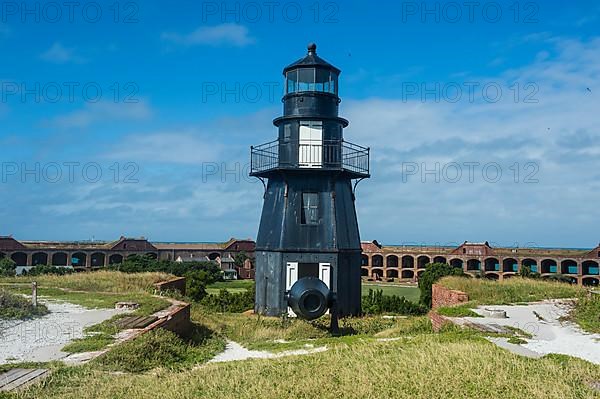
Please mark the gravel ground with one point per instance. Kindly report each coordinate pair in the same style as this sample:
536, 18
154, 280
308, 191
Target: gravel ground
234, 351
550, 334
41, 339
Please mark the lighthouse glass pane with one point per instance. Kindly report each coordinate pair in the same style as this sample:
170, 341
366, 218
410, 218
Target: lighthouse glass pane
292, 82
323, 78
310, 144
306, 79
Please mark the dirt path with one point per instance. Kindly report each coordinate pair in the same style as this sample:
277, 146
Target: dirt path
41, 339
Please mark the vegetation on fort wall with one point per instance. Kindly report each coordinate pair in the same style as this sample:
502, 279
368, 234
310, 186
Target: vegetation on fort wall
161, 348
511, 291
14, 306
433, 272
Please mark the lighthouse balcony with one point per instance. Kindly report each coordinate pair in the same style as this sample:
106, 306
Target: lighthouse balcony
327, 155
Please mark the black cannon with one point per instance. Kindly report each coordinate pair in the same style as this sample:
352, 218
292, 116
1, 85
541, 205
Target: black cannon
309, 298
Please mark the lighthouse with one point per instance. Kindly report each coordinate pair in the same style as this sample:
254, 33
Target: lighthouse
308, 251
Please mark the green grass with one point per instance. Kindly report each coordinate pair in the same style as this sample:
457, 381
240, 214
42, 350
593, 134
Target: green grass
587, 313
464, 310
161, 348
511, 291
98, 281
233, 286
409, 292
13, 306
452, 365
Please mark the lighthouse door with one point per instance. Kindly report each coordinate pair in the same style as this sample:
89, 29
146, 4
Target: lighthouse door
310, 148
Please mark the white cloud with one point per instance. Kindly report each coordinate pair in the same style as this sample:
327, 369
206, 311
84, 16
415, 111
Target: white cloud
223, 34
177, 147
101, 112
58, 54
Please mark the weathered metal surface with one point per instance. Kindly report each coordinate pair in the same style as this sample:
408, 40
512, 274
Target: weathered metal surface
322, 167
136, 322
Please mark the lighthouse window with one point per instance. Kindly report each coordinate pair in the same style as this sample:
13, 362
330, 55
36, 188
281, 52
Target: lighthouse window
292, 82
310, 208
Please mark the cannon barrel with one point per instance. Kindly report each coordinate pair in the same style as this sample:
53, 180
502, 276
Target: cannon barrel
309, 298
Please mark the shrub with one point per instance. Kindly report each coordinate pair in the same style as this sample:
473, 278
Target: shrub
139, 264
17, 307
433, 272
376, 303
45, 269
7, 267
195, 282
227, 302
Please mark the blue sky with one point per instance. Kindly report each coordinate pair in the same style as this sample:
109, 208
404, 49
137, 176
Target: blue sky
172, 94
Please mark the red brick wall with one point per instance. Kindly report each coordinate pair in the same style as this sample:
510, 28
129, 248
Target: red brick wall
437, 321
179, 321
442, 296
177, 284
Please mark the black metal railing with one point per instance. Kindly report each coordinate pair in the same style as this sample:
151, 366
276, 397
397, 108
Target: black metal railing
317, 154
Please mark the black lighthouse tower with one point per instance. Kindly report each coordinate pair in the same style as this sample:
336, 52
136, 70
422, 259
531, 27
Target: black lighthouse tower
308, 251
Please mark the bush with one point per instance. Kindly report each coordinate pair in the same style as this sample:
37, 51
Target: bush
196, 282
139, 264
376, 303
17, 307
45, 269
8, 267
433, 272
227, 302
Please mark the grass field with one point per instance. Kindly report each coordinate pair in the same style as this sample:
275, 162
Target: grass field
511, 291
410, 292
375, 357
449, 365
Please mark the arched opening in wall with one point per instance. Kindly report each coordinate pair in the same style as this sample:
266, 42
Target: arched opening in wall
377, 274
568, 266
78, 259
492, 276
392, 261
152, 255
59, 259
591, 281
98, 259
115, 259
408, 262
408, 274
457, 263
377, 261
364, 272
39, 258
420, 273
364, 260
507, 276
423, 261
530, 264
20, 258
439, 259
214, 255
392, 273
510, 265
492, 265
548, 266
590, 268
473, 265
